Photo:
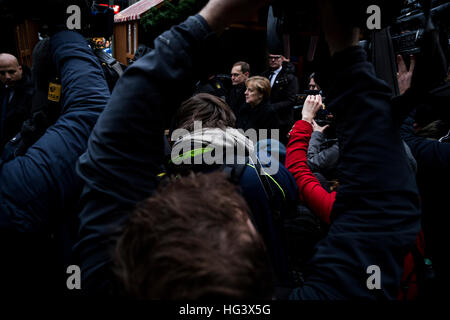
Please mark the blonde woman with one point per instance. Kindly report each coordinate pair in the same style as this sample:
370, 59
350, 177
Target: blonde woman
257, 112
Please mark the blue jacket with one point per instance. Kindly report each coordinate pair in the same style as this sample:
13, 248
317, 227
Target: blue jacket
44, 180
38, 190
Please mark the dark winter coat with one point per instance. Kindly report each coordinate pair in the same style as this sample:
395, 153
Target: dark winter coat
283, 93
38, 190
376, 216
433, 177
262, 116
18, 109
236, 98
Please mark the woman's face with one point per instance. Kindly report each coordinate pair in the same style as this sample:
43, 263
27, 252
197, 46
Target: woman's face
252, 96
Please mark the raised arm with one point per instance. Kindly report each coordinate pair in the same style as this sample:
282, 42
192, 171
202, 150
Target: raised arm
126, 149
429, 154
319, 160
376, 209
44, 179
376, 212
311, 191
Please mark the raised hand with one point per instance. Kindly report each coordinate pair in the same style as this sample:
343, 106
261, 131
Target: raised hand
310, 107
318, 128
404, 75
221, 13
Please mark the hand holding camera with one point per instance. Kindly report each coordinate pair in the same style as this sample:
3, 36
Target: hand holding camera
310, 108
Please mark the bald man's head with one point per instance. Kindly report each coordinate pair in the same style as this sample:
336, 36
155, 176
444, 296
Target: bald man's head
10, 70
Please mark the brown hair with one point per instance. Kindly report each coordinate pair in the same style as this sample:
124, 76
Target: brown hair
261, 84
192, 240
433, 130
212, 111
245, 67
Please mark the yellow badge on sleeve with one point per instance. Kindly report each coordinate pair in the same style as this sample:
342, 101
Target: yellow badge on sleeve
54, 92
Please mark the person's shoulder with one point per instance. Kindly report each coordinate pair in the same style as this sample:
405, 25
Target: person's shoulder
241, 86
288, 68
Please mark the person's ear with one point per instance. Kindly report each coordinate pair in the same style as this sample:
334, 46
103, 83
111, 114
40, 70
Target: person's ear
247, 74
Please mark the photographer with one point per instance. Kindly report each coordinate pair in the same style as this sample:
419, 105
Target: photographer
375, 215
39, 189
315, 196
16, 91
323, 153
433, 172
312, 84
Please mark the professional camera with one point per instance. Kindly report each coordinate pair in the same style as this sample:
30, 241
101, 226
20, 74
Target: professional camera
293, 27
323, 116
404, 29
408, 29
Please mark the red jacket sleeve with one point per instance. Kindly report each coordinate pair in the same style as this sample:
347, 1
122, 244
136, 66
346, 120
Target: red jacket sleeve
310, 190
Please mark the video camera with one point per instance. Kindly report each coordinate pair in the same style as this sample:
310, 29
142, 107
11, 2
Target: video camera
408, 29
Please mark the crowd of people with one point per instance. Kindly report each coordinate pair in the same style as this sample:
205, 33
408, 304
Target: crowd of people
150, 205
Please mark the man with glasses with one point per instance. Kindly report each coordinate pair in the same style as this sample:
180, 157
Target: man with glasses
239, 74
284, 83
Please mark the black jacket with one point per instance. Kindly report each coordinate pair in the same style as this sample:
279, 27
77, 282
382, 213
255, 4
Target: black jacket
18, 109
376, 214
283, 94
262, 116
236, 98
433, 176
